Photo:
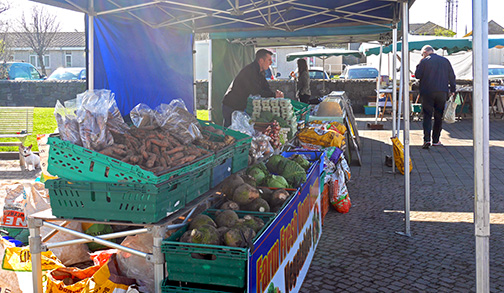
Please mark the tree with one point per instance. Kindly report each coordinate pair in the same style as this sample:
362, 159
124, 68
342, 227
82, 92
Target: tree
4, 6
441, 32
38, 32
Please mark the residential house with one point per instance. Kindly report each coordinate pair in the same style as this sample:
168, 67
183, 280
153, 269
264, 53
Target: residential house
67, 50
425, 29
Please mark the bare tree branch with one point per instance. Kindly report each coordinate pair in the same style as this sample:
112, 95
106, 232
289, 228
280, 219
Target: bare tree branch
38, 32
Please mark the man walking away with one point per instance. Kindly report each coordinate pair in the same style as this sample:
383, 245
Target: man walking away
437, 79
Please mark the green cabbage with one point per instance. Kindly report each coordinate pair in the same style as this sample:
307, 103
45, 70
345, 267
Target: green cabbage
276, 181
257, 173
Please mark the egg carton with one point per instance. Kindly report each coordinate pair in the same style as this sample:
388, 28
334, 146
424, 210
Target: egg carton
274, 102
265, 103
284, 102
256, 102
266, 108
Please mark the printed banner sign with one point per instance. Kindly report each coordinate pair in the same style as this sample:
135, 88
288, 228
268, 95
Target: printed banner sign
282, 255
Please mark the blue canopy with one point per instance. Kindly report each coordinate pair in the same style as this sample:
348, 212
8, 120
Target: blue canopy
143, 48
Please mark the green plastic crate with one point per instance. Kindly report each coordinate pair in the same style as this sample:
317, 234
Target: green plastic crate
301, 110
129, 202
242, 146
184, 287
240, 158
222, 166
76, 163
200, 183
224, 266
241, 138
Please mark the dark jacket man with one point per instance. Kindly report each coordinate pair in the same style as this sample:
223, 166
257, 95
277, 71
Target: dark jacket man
437, 79
249, 81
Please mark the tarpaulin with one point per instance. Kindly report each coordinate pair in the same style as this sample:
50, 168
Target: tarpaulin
141, 64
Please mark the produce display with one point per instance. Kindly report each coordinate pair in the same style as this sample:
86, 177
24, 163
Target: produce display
280, 172
243, 196
273, 110
225, 228
162, 139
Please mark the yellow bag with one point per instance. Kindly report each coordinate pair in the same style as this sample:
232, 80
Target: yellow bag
399, 155
324, 138
95, 279
334, 124
19, 259
107, 279
73, 280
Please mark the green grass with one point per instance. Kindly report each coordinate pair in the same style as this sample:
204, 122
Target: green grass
43, 123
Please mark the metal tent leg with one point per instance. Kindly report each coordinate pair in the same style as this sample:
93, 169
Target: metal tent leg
35, 251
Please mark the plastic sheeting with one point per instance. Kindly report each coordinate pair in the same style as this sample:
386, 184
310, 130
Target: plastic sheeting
227, 59
141, 64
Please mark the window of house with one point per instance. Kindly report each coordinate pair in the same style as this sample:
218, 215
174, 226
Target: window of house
68, 59
35, 62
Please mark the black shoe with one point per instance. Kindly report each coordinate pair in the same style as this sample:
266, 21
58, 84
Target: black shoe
426, 145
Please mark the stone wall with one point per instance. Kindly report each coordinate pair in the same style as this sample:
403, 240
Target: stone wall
46, 93
357, 90
38, 93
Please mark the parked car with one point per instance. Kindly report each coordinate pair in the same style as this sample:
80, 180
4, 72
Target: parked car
315, 73
318, 73
359, 72
19, 71
495, 71
68, 73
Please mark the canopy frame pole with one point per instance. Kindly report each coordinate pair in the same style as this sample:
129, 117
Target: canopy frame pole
91, 67
210, 78
481, 127
394, 86
323, 71
405, 82
399, 110
195, 91
378, 86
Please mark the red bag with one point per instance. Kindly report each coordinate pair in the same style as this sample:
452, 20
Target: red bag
343, 206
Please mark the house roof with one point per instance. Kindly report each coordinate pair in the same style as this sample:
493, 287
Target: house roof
62, 39
427, 29
495, 28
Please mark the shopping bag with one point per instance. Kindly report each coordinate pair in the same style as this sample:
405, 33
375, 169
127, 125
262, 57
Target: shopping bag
399, 155
19, 259
71, 279
449, 113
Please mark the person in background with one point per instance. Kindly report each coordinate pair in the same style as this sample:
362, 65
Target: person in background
249, 81
437, 79
303, 81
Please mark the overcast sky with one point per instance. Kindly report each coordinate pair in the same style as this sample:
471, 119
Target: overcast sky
421, 12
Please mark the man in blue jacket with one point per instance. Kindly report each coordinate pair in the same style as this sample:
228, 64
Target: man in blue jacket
437, 79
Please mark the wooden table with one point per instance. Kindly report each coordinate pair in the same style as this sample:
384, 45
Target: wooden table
495, 97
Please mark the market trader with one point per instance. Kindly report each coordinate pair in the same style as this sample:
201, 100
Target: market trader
249, 81
436, 80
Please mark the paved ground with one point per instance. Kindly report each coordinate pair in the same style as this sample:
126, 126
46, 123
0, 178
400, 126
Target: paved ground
360, 251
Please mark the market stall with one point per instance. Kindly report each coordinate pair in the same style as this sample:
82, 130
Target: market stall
141, 21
